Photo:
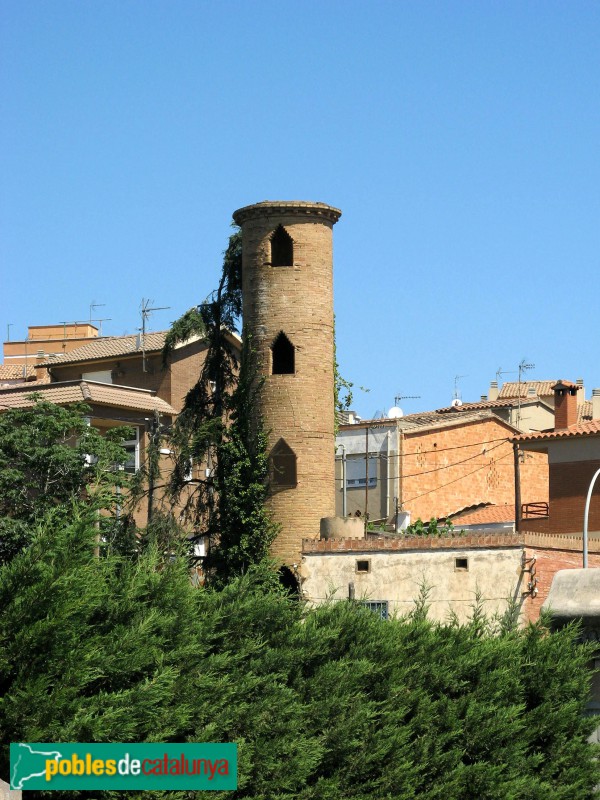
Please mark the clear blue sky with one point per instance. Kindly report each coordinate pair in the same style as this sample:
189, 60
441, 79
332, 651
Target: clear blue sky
461, 141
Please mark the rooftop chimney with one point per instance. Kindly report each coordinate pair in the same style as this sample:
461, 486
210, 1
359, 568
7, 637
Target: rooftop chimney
595, 403
581, 392
565, 404
493, 393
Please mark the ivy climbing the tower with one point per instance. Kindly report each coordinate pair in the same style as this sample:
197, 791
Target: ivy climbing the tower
219, 428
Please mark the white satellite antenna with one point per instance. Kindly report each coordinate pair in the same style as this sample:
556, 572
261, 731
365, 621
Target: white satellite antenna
456, 403
395, 412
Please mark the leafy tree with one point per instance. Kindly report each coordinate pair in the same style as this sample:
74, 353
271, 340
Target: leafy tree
200, 426
49, 459
219, 427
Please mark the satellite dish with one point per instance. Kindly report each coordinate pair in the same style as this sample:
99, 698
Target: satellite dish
456, 402
395, 412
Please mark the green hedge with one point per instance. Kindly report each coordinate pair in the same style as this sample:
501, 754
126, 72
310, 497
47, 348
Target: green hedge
325, 704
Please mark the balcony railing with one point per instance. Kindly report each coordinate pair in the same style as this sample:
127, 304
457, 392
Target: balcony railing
534, 510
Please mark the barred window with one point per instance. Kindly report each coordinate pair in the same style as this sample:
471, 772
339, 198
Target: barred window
379, 607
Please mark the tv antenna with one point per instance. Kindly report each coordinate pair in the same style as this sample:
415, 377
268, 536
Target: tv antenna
524, 366
94, 305
396, 412
500, 372
399, 397
456, 395
145, 311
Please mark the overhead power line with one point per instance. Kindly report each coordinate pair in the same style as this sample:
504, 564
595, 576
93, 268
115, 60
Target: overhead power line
462, 477
435, 449
441, 467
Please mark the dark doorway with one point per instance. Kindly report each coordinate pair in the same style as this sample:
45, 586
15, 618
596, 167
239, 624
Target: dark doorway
289, 582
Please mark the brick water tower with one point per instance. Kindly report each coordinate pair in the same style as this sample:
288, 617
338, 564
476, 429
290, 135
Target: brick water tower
287, 268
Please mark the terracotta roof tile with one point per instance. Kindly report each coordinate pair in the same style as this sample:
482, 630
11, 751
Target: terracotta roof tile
561, 384
584, 411
104, 394
15, 372
413, 423
516, 389
490, 514
506, 402
590, 428
110, 347
432, 419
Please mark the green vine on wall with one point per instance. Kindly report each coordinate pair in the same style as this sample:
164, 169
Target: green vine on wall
219, 428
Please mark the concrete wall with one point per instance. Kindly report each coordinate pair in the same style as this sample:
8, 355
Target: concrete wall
532, 416
493, 568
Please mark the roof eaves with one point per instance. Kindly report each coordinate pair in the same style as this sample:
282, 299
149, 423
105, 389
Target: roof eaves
468, 418
591, 428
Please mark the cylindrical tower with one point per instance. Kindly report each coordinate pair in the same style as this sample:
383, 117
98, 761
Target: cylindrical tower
287, 270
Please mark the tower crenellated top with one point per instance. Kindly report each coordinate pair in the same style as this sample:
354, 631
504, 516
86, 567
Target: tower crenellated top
296, 208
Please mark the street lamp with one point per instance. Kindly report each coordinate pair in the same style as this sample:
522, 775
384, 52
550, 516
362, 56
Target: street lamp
585, 519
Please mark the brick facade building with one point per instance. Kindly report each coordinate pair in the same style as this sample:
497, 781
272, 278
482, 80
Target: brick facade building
555, 537
435, 464
123, 380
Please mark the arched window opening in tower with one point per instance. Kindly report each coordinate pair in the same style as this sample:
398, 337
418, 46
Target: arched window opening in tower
284, 357
282, 462
282, 248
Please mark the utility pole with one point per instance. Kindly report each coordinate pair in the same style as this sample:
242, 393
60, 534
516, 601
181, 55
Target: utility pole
366, 478
367, 472
517, 487
399, 453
